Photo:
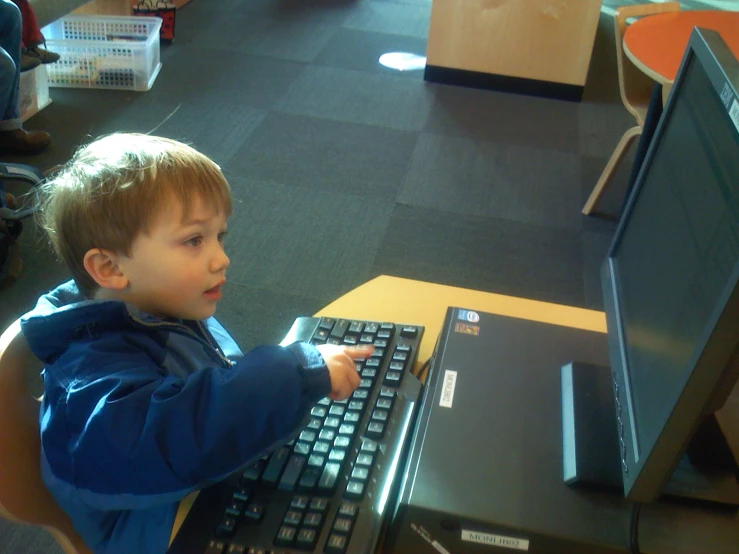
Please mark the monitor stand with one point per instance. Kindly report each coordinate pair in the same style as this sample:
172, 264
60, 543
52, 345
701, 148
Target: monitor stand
591, 452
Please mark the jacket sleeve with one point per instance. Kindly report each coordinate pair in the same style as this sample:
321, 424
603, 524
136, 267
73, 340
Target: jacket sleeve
135, 432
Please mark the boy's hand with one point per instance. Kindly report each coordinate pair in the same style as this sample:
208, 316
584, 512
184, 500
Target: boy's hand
341, 368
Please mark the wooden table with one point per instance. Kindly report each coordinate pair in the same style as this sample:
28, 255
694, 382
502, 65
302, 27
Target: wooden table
387, 298
656, 43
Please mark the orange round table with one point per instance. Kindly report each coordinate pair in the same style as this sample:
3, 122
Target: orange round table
656, 43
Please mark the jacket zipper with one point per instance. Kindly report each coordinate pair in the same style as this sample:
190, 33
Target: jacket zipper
179, 327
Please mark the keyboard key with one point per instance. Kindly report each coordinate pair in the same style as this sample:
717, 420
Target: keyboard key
292, 472
342, 441
327, 435
215, 547
365, 459
254, 513
234, 509
309, 479
285, 535
292, 517
392, 378
355, 489
306, 538
299, 502
330, 475
312, 519
360, 473
226, 527
342, 525
409, 332
241, 495
348, 509
336, 544
276, 464
235, 548
380, 415
318, 504
253, 472
339, 329
375, 430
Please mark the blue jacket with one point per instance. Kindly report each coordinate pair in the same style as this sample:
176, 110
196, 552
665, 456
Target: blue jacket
138, 412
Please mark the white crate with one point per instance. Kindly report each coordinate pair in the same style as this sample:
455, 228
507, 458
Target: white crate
33, 92
109, 52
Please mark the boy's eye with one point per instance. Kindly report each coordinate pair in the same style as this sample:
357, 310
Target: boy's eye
222, 236
194, 241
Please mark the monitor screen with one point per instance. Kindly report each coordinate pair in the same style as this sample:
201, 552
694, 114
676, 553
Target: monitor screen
670, 277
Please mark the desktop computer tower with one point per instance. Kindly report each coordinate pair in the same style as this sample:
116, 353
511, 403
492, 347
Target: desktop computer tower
484, 467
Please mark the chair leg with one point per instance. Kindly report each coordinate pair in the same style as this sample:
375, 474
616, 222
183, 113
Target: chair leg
610, 168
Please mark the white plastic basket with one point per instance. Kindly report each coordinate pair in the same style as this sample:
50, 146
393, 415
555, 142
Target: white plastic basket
108, 52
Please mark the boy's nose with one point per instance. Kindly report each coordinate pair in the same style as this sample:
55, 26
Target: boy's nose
220, 261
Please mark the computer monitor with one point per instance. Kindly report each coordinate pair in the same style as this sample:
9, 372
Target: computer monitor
671, 300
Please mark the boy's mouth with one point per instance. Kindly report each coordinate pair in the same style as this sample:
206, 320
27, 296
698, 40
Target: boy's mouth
214, 293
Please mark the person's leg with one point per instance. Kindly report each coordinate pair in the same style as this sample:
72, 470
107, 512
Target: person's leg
13, 138
32, 54
10, 43
31, 35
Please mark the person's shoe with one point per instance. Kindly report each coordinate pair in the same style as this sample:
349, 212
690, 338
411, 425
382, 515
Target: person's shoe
20, 141
44, 56
29, 62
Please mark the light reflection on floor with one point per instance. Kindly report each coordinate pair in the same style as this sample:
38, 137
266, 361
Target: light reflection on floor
403, 61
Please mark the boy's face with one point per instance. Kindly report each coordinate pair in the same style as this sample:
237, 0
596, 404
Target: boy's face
178, 268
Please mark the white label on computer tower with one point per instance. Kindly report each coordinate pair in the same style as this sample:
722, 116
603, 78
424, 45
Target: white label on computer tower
495, 540
734, 113
447, 388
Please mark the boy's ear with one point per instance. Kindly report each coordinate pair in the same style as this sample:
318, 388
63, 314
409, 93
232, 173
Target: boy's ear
103, 266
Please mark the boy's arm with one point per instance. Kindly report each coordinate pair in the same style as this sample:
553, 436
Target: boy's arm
162, 436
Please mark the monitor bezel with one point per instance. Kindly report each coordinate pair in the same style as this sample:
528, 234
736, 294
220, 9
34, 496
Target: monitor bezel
645, 478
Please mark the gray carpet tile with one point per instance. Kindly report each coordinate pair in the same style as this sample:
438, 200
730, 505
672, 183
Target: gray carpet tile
361, 50
614, 194
326, 11
326, 155
256, 316
598, 124
308, 243
504, 118
483, 253
288, 39
524, 184
197, 72
40, 273
359, 97
390, 17
218, 129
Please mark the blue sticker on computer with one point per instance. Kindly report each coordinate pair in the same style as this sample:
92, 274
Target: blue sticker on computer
468, 315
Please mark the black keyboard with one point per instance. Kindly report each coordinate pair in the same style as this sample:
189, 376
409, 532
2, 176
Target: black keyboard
328, 490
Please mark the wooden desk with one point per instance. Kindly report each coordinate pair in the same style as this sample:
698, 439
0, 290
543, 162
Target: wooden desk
387, 298
538, 47
656, 43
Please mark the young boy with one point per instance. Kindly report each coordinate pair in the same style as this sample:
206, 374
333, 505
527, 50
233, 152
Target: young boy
147, 397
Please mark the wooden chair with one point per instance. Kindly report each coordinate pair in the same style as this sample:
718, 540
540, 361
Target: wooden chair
23, 496
636, 89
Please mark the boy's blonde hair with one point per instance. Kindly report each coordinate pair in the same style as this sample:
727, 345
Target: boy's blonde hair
112, 188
